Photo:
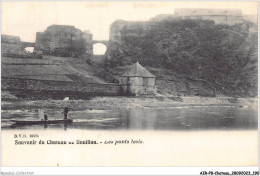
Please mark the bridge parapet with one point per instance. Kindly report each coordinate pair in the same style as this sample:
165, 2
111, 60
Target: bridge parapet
105, 42
27, 44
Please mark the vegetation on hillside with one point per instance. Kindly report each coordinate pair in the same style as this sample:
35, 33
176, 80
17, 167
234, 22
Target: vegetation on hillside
224, 56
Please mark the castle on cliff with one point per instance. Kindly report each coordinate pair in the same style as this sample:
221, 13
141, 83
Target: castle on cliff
224, 16
138, 28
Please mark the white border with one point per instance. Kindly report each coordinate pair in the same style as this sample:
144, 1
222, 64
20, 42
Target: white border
125, 170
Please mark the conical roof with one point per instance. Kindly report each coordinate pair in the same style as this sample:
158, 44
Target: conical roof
137, 70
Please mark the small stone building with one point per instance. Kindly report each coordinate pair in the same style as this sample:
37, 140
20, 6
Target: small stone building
138, 81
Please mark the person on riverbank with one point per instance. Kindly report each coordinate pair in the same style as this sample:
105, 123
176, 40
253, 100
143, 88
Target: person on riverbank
45, 116
66, 111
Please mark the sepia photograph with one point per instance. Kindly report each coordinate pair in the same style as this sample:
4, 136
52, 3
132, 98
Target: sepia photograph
151, 83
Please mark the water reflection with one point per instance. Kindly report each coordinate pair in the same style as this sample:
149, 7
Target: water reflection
141, 119
46, 126
189, 118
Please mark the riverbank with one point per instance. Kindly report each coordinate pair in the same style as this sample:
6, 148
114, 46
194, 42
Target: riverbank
107, 103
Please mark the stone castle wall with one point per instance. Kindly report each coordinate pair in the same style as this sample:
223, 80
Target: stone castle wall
139, 28
219, 16
134, 29
11, 46
230, 20
10, 39
63, 40
16, 84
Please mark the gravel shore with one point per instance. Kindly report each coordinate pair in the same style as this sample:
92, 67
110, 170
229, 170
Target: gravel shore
107, 103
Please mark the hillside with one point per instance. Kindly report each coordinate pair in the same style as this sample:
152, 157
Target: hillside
213, 59
49, 68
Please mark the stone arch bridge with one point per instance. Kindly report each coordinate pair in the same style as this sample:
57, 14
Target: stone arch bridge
90, 48
105, 42
31, 44
27, 44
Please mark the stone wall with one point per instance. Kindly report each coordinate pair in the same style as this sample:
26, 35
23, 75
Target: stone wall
138, 90
98, 71
15, 84
220, 19
219, 16
133, 28
11, 47
138, 86
139, 28
10, 39
13, 50
63, 40
47, 94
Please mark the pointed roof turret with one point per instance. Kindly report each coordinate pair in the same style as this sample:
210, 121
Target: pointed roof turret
138, 70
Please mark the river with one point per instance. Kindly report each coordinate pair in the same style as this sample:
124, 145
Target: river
178, 118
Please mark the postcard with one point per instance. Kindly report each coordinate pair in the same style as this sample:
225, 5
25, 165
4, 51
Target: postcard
150, 83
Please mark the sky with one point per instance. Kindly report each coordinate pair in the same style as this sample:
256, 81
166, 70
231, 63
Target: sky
24, 19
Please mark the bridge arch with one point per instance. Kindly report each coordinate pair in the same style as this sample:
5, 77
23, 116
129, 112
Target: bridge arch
99, 49
29, 49
104, 42
27, 44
